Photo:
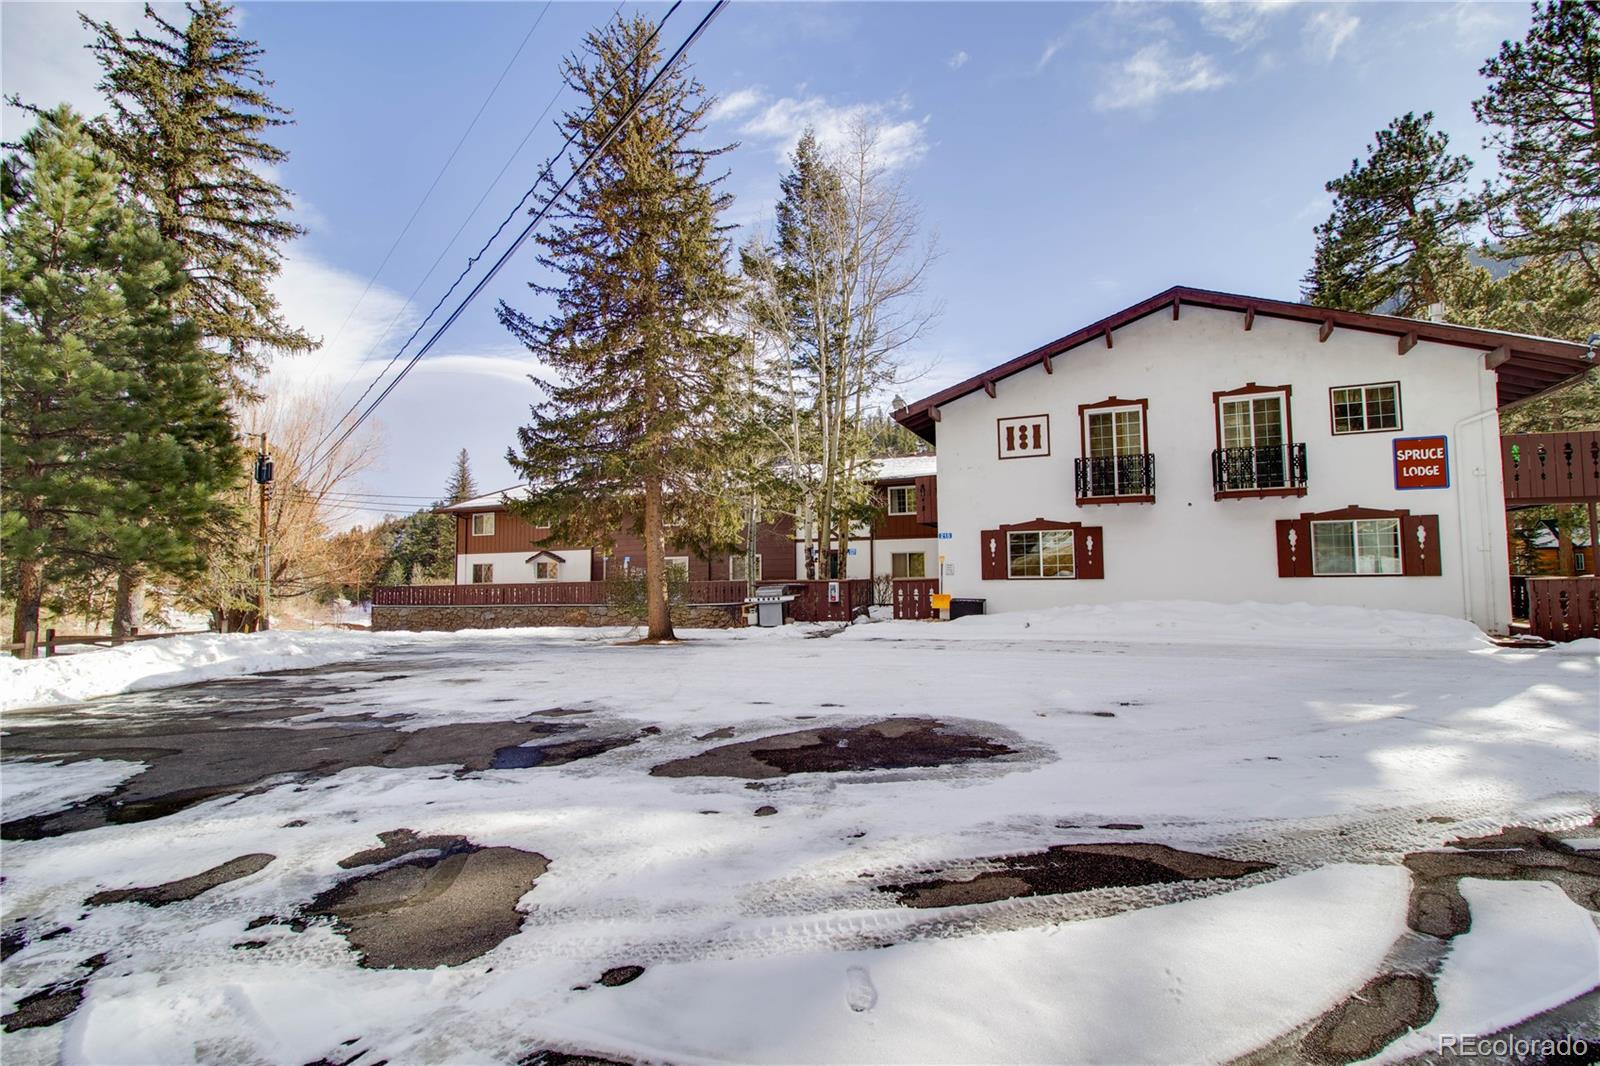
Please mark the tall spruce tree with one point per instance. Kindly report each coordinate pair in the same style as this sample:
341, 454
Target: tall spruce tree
636, 424
462, 485
116, 439
1543, 107
189, 115
1398, 237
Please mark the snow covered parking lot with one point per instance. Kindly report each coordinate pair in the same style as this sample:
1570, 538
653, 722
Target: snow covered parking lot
1173, 833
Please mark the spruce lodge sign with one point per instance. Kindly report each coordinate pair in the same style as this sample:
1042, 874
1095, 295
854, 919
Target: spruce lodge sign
1421, 463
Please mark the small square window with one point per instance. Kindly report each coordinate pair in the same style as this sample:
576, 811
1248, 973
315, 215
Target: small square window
546, 570
902, 499
1365, 408
679, 563
738, 568
483, 524
483, 573
908, 564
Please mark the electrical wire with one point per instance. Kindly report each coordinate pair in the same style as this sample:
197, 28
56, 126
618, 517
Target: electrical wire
539, 216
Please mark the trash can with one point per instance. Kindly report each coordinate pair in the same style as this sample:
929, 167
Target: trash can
772, 604
960, 608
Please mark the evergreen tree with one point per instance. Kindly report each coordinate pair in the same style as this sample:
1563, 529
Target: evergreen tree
636, 429
462, 487
1397, 240
116, 438
188, 117
1543, 104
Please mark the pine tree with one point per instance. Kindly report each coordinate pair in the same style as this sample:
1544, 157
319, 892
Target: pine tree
188, 119
635, 428
462, 486
116, 439
1543, 103
1397, 239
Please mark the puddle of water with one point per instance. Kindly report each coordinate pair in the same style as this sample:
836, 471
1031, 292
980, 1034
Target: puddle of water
1071, 868
892, 743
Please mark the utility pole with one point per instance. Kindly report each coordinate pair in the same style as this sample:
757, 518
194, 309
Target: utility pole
264, 482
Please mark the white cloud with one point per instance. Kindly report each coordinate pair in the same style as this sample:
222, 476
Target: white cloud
1327, 30
358, 333
1157, 71
513, 365
901, 139
1050, 51
1241, 22
735, 104
957, 61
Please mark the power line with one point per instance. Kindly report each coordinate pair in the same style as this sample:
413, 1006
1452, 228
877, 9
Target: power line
483, 250
436, 178
539, 216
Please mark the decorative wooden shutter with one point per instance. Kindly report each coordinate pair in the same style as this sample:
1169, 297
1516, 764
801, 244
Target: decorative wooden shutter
1089, 549
1294, 547
992, 546
928, 500
1419, 545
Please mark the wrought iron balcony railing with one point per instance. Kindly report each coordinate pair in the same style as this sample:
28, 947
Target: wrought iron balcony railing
1278, 466
1106, 477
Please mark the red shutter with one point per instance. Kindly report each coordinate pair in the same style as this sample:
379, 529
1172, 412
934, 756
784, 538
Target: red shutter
992, 546
1419, 545
928, 500
1294, 547
1089, 548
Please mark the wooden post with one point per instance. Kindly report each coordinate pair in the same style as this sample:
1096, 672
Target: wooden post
1594, 545
30, 638
49, 643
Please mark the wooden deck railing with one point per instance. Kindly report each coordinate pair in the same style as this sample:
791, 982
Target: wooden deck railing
538, 594
911, 597
1544, 468
1564, 608
811, 600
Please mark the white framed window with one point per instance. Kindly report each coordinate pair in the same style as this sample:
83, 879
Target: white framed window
679, 563
483, 573
546, 570
1040, 553
1111, 434
1024, 437
908, 564
483, 524
737, 568
1365, 408
1366, 546
1255, 436
902, 499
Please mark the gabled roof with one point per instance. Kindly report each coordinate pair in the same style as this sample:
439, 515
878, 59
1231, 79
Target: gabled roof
493, 501
1527, 365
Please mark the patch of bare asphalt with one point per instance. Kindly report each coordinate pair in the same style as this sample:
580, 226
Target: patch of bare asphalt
441, 901
888, 744
188, 887
1071, 868
1385, 1008
211, 752
53, 1004
1437, 907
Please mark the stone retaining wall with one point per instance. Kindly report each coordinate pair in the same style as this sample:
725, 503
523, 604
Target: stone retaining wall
450, 619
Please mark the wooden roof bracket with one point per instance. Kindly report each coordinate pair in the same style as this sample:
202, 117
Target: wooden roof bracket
933, 413
988, 386
1177, 302
1249, 318
1497, 358
1108, 338
1049, 364
1408, 341
1325, 331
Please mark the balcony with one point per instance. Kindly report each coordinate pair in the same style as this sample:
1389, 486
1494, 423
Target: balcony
1116, 479
1550, 468
1244, 473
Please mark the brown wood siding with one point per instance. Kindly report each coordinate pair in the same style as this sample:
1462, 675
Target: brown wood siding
886, 526
511, 534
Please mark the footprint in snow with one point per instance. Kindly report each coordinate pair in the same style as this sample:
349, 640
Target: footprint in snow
859, 992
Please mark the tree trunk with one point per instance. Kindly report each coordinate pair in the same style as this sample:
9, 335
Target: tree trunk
658, 613
125, 615
30, 590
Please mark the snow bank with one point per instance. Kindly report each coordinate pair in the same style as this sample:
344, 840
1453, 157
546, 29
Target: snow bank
1194, 622
1198, 981
172, 661
29, 787
1589, 646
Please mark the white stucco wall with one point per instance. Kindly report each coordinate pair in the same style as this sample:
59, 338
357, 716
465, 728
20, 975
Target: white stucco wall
1188, 545
513, 568
879, 555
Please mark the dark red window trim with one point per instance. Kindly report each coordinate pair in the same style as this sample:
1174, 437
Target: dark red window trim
1399, 410
1250, 388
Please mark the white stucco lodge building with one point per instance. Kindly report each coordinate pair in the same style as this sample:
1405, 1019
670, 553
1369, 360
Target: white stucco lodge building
1209, 446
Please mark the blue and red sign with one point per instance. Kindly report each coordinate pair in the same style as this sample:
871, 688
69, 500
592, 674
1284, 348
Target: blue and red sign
1422, 462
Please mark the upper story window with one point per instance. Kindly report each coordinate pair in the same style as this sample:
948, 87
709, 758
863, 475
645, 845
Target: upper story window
1024, 437
1357, 546
1256, 453
1365, 408
902, 499
1039, 553
483, 524
1116, 462
483, 573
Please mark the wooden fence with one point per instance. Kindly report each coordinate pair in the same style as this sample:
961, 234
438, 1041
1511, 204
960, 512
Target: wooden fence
539, 594
911, 597
1564, 608
1551, 467
811, 600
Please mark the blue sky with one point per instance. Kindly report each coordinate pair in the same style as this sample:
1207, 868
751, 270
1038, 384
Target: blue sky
1073, 158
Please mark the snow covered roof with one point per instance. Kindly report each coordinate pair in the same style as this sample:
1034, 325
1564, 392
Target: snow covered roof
493, 501
1546, 538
